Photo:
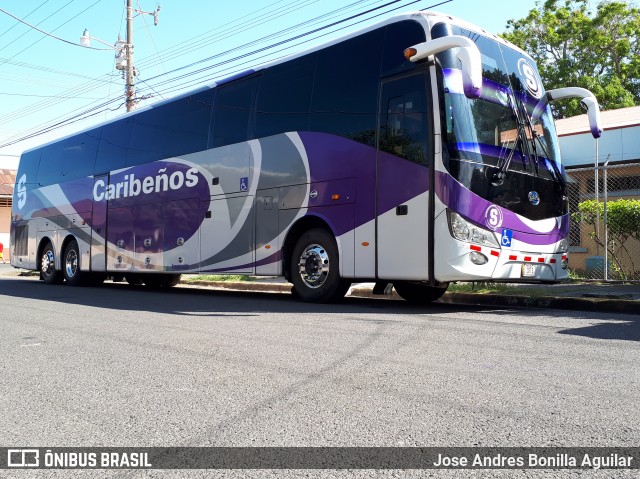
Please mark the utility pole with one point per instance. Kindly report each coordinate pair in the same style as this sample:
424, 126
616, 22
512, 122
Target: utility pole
129, 88
124, 53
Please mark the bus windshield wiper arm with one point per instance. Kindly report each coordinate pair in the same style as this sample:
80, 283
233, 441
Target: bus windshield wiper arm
536, 140
532, 150
521, 137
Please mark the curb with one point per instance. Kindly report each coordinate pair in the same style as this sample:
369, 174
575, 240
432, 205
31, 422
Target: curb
604, 305
242, 286
597, 305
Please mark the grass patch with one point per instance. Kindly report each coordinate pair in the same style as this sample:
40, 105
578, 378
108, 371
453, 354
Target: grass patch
481, 287
218, 277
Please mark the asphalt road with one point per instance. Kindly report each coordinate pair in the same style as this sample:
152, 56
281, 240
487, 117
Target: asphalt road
123, 366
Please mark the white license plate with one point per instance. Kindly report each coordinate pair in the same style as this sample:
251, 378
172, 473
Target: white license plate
528, 270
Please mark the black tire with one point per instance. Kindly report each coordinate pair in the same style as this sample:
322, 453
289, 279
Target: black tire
96, 279
160, 281
419, 293
71, 266
134, 279
48, 272
314, 268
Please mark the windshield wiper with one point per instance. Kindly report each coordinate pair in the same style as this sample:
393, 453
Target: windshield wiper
521, 137
532, 151
536, 138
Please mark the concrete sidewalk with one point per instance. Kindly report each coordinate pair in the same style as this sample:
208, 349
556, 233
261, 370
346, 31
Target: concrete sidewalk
597, 297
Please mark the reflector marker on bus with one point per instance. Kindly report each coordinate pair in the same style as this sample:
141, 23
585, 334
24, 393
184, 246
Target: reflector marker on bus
530, 259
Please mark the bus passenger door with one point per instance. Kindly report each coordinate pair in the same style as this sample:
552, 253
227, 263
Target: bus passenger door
99, 226
404, 158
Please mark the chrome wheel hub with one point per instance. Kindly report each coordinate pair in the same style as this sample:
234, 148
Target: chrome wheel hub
48, 263
313, 266
71, 263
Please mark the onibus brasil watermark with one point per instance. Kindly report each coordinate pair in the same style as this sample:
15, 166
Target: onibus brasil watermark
320, 458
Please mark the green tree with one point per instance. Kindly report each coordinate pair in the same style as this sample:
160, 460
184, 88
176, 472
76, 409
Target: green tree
575, 46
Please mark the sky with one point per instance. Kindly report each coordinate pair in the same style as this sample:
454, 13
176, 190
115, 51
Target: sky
52, 87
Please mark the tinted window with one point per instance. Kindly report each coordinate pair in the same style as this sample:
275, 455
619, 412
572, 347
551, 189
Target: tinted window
187, 124
114, 143
400, 36
29, 164
69, 159
404, 118
172, 129
145, 142
346, 88
284, 98
232, 112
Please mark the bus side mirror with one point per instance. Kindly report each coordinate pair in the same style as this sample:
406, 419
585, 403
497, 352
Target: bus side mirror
468, 54
588, 100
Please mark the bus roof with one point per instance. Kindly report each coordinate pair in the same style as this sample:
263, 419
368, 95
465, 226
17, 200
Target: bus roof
426, 18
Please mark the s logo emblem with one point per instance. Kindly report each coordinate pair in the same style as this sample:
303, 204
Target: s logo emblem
493, 217
22, 191
531, 78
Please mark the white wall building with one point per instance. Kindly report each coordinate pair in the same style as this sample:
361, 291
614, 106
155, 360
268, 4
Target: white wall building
620, 141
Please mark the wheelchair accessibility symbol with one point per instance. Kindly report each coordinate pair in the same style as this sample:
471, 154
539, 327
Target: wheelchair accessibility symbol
244, 184
507, 237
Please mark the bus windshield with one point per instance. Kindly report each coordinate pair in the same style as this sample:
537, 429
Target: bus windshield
507, 134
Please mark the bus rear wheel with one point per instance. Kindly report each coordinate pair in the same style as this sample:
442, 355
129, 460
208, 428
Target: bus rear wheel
71, 266
315, 268
48, 272
419, 293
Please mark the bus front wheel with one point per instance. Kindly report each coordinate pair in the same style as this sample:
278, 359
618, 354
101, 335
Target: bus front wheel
315, 268
48, 272
419, 293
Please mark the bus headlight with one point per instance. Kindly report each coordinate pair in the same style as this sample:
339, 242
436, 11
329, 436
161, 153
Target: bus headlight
468, 232
563, 246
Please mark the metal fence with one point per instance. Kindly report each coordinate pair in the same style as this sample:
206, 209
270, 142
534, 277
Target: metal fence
604, 237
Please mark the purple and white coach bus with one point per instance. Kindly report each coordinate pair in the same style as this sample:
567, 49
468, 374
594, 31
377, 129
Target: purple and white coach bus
417, 151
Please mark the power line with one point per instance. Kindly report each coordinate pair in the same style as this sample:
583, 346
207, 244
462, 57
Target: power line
49, 96
27, 16
105, 106
44, 69
36, 108
268, 47
49, 34
40, 22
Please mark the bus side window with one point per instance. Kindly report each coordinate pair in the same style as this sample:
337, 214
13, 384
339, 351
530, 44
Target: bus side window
232, 112
345, 90
114, 144
69, 159
404, 119
284, 97
29, 165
